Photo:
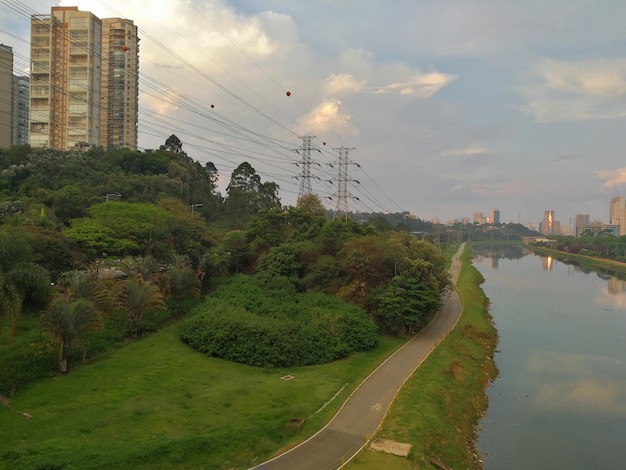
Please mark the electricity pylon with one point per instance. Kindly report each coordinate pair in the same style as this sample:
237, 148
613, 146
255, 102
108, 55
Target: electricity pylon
305, 175
342, 180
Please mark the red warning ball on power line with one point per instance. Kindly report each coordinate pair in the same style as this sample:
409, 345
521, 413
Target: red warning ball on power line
124, 47
288, 93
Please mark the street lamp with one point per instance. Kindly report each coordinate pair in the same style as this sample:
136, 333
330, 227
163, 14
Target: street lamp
193, 206
111, 196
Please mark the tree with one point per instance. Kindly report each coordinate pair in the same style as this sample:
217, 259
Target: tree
138, 297
67, 322
120, 228
21, 280
247, 195
181, 280
311, 204
410, 299
173, 144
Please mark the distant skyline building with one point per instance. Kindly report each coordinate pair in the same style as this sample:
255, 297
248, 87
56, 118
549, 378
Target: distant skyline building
84, 80
6, 94
617, 214
495, 216
19, 119
546, 226
582, 219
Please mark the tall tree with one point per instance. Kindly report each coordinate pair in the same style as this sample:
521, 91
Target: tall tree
173, 144
247, 195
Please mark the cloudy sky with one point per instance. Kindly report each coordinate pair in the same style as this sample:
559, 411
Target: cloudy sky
447, 107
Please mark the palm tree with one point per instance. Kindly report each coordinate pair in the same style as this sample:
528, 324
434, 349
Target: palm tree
67, 322
21, 281
90, 285
144, 267
138, 297
181, 279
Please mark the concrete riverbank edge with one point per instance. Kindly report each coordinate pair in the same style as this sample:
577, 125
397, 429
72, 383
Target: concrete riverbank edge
438, 409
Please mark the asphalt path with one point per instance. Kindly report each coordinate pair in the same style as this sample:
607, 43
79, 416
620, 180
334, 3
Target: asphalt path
363, 412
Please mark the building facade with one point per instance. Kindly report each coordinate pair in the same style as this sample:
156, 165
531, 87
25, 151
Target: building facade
19, 119
495, 216
120, 84
71, 79
6, 94
617, 214
546, 226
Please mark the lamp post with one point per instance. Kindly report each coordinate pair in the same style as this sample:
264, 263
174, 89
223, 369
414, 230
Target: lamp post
111, 196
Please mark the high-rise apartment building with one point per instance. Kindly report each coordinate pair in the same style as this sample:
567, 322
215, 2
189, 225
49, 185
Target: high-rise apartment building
120, 87
6, 94
546, 226
495, 216
617, 214
83, 90
19, 120
582, 219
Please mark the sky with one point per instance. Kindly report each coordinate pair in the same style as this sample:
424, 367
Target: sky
444, 108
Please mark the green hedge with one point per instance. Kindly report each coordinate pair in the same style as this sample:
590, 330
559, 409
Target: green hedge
249, 321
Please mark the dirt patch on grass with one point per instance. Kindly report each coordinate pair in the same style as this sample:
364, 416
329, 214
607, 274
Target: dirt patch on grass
454, 370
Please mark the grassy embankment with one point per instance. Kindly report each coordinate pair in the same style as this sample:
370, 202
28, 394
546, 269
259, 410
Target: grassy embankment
438, 408
158, 404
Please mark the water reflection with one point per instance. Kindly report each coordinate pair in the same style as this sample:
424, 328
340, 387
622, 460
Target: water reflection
546, 261
578, 383
560, 398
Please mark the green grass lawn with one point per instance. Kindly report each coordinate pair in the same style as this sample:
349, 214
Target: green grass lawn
439, 407
158, 404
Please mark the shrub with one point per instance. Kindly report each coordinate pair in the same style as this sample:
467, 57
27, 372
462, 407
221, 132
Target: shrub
276, 330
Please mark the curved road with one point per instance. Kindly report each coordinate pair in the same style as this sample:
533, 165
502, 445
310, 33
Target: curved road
363, 412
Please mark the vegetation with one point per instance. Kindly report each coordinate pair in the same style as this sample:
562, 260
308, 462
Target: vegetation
599, 246
584, 262
270, 325
158, 404
439, 407
100, 248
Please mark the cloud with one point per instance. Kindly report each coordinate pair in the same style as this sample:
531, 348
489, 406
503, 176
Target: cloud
590, 78
465, 152
343, 83
420, 85
571, 91
612, 178
327, 117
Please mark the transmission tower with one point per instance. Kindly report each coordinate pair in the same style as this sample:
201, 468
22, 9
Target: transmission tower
305, 175
342, 194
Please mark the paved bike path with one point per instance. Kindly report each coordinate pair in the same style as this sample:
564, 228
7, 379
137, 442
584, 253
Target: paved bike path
363, 412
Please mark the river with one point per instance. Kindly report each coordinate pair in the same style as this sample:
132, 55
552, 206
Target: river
559, 401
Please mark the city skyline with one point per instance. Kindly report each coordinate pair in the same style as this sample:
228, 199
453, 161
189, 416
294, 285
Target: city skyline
454, 108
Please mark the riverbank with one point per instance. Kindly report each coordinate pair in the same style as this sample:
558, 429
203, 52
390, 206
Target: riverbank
586, 263
439, 407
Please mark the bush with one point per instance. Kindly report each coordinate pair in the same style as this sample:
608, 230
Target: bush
24, 364
276, 330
